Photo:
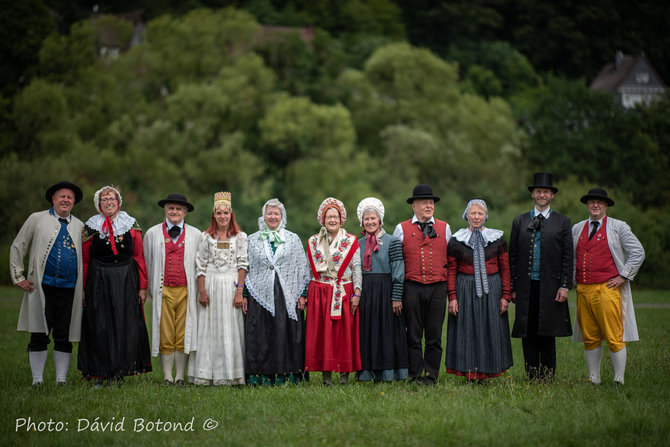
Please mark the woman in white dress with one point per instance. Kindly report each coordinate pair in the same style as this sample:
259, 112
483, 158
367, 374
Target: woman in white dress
221, 268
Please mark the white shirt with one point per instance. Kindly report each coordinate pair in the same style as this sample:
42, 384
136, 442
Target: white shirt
545, 213
399, 233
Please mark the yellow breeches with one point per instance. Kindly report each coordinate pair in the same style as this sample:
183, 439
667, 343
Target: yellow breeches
599, 315
173, 319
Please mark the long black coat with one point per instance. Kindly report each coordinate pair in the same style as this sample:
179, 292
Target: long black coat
555, 272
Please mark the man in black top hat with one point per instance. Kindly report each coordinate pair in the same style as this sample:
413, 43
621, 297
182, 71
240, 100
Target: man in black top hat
170, 248
607, 258
52, 302
424, 246
540, 257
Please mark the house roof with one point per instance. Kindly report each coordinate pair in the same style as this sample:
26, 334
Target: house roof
610, 77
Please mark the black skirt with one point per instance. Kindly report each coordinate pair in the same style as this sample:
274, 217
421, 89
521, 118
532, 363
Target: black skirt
114, 339
274, 345
382, 333
478, 339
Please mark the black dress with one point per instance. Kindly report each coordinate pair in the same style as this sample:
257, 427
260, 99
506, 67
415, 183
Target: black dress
478, 339
384, 352
114, 340
275, 345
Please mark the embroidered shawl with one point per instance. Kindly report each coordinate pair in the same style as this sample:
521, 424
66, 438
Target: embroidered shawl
330, 268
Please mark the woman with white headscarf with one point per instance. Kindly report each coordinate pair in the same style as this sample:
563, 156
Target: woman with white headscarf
114, 340
332, 341
384, 354
478, 283
275, 285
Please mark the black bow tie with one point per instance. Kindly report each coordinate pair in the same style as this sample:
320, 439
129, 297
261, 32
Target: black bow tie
62, 220
536, 223
174, 232
427, 229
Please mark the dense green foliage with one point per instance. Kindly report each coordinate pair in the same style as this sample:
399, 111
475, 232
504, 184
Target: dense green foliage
211, 101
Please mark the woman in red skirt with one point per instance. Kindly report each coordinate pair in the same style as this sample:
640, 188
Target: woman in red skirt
332, 340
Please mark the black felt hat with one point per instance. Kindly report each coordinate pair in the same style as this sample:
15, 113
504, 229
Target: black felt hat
78, 195
597, 194
175, 197
423, 192
543, 180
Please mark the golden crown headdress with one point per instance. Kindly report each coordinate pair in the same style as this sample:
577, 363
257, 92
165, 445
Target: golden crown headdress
221, 198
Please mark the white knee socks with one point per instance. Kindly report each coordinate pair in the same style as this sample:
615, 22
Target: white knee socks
37, 361
593, 358
167, 361
62, 364
619, 364
180, 360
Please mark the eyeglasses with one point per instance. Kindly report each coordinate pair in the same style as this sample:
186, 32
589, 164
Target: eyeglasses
108, 199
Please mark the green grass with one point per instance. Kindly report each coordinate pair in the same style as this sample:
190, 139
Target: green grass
508, 411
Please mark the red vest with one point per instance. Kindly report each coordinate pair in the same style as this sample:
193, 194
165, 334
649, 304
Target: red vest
174, 275
595, 264
425, 258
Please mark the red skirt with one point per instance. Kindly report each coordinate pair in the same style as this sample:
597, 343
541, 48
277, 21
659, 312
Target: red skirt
331, 345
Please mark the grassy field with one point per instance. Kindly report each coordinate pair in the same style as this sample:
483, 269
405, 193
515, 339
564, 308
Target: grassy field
508, 411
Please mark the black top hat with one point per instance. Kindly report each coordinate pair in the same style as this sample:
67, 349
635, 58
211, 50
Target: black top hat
543, 180
175, 197
78, 195
423, 192
598, 194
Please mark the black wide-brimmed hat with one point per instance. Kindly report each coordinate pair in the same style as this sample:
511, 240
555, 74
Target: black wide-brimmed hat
597, 194
78, 195
175, 197
543, 180
423, 192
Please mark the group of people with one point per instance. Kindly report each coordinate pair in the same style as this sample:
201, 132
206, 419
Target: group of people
261, 310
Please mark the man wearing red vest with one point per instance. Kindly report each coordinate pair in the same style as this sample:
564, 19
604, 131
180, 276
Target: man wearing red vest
170, 249
424, 246
607, 258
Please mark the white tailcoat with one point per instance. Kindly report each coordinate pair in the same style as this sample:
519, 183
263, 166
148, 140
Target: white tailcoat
39, 232
154, 256
628, 255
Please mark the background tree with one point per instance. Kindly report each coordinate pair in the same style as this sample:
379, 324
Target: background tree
206, 102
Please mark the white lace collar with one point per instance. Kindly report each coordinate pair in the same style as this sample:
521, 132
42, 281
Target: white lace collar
489, 234
120, 224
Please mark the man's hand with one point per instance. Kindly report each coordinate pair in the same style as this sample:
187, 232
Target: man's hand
616, 282
561, 295
453, 307
27, 286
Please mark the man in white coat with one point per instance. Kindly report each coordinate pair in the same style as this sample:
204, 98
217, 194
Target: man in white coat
607, 258
52, 303
169, 251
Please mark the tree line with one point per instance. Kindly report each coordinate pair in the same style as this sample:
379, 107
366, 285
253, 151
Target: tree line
203, 104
